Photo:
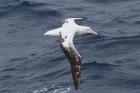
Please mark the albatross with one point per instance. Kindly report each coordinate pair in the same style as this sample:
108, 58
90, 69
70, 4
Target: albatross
66, 33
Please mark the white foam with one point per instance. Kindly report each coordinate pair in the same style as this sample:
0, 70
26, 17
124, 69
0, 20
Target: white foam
62, 90
43, 90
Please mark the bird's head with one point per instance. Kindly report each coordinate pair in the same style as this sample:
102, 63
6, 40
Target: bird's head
89, 30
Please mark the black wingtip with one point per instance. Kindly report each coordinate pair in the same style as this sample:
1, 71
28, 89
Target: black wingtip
76, 86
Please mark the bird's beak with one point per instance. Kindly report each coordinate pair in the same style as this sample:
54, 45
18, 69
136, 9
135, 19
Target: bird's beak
93, 32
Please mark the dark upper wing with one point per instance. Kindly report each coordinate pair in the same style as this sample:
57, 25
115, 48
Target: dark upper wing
73, 58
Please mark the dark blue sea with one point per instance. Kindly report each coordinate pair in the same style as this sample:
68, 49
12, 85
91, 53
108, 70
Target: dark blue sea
33, 63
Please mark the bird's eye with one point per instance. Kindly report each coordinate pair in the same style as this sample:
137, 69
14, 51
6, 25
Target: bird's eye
66, 21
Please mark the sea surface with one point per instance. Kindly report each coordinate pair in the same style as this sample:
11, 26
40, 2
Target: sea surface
33, 63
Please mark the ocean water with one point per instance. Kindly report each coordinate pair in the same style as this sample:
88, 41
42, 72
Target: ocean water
33, 63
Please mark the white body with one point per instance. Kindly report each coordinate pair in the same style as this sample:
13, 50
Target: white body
70, 27
68, 30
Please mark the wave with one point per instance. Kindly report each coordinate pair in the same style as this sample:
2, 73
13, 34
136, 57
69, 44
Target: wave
62, 90
41, 10
105, 66
124, 81
53, 89
106, 1
105, 37
8, 77
14, 5
127, 40
30, 3
18, 59
29, 8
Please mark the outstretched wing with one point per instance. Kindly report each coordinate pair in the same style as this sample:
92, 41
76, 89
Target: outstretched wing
66, 44
54, 32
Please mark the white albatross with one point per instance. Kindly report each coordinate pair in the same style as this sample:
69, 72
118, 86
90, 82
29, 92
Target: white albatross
66, 33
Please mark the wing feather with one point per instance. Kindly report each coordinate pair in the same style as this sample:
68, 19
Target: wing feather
54, 32
73, 56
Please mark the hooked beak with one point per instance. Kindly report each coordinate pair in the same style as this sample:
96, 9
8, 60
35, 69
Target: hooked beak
93, 32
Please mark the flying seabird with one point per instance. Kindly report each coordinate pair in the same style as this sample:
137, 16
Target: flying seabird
66, 33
